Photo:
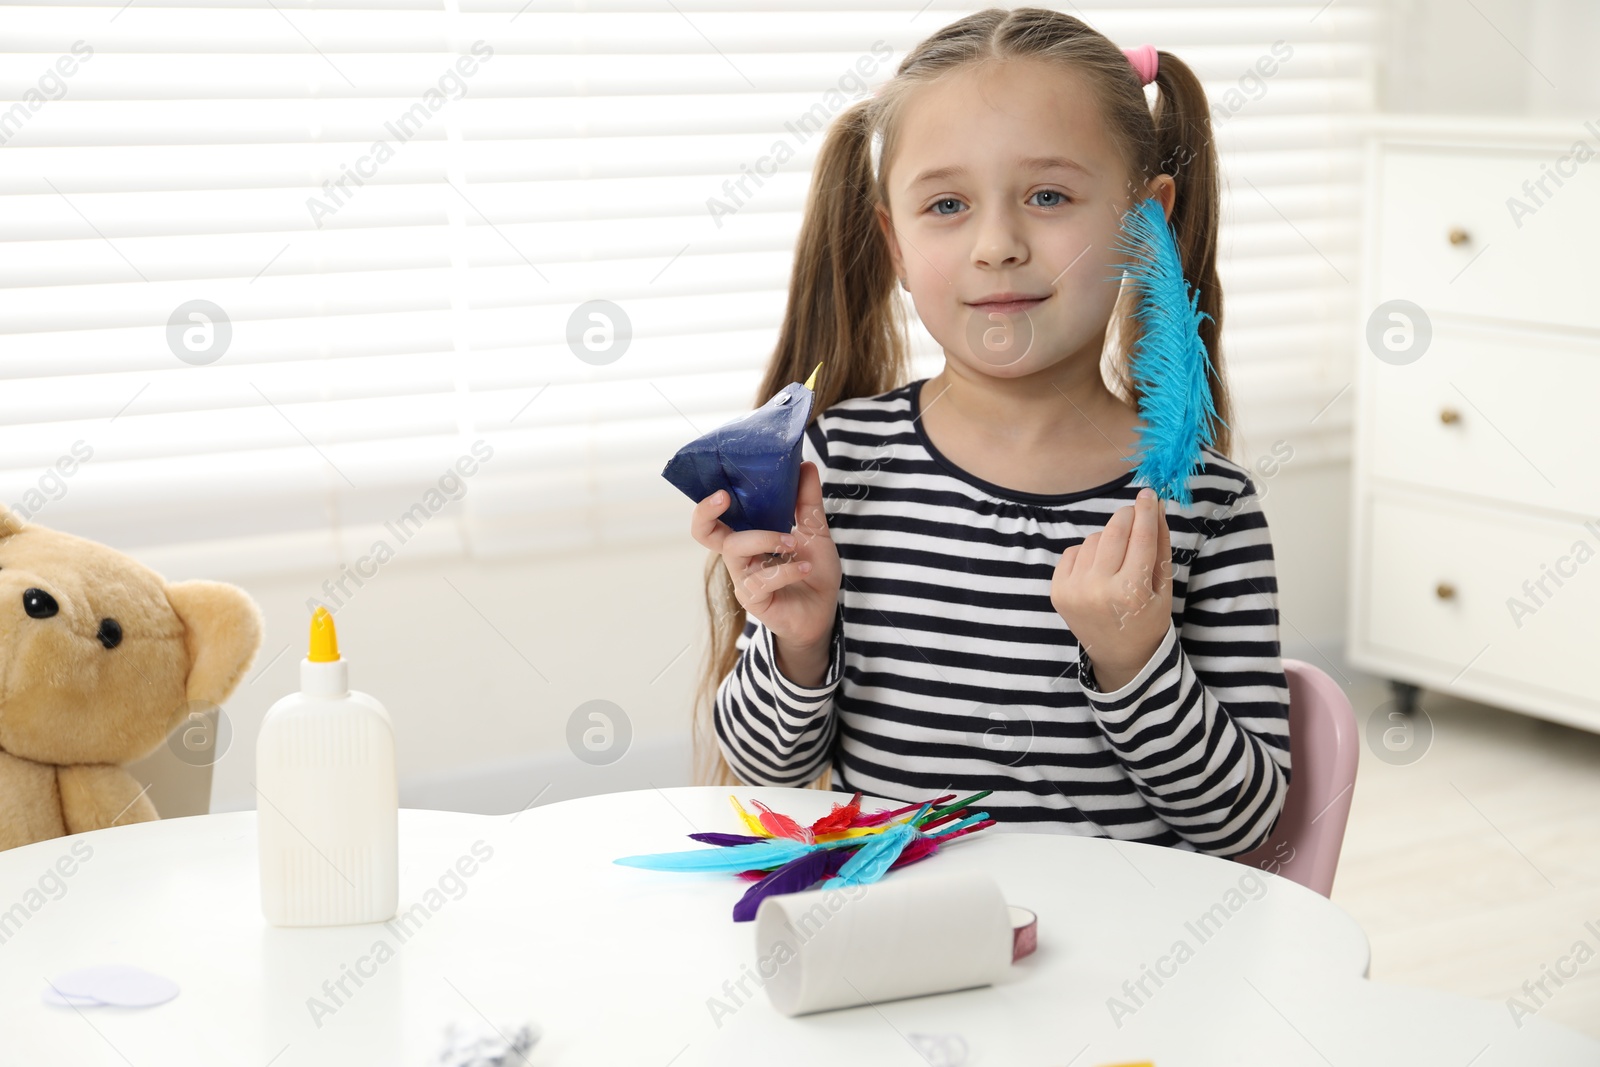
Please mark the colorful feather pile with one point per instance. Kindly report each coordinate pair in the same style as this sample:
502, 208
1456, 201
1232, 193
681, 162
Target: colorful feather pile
843, 848
1170, 363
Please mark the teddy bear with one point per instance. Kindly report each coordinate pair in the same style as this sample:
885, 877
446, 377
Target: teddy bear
100, 658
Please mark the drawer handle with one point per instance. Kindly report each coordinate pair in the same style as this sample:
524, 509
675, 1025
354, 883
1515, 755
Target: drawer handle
1445, 591
1458, 236
1449, 415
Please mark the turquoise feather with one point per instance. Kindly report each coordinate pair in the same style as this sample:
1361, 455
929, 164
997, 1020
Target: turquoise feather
873, 860
1170, 363
773, 853
960, 824
770, 852
778, 851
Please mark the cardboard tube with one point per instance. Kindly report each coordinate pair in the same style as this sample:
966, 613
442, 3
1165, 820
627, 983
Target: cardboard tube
901, 937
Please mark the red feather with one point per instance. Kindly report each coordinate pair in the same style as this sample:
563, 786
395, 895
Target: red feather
974, 828
923, 847
919, 848
954, 816
840, 818
779, 825
877, 818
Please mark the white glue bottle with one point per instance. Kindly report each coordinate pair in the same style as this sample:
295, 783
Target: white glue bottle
327, 805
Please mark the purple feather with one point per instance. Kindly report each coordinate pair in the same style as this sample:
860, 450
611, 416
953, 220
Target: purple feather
793, 877
726, 839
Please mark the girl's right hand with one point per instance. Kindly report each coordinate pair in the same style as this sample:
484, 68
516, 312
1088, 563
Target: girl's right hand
796, 595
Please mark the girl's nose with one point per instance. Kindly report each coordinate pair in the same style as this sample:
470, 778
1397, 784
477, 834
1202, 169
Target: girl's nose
999, 243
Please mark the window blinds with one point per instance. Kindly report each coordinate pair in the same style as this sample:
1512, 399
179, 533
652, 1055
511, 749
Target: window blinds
284, 281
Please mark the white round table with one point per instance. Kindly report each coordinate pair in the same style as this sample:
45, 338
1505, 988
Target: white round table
526, 918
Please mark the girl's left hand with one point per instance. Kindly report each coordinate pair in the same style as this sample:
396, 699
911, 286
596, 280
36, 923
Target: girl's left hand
1115, 590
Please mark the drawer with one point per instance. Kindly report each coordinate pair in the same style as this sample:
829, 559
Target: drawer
1444, 581
1533, 267
1491, 413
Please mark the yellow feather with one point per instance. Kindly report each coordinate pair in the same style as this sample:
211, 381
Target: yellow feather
751, 822
854, 831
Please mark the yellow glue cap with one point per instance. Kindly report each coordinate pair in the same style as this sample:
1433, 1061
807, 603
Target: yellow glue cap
324, 639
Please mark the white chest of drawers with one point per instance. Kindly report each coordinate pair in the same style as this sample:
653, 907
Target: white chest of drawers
1475, 563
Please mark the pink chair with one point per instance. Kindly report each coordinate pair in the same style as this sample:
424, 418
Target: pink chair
1323, 748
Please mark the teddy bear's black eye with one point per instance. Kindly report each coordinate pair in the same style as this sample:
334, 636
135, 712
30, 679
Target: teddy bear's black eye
39, 604
110, 633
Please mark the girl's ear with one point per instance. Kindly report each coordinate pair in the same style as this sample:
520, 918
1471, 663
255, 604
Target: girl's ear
1164, 189
886, 224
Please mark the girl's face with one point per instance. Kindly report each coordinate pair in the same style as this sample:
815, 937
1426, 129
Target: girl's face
1006, 198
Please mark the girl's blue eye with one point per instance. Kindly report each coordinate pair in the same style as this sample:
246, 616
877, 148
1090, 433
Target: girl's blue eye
1061, 198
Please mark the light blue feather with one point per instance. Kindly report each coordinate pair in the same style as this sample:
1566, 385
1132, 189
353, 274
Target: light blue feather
960, 824
778, 851
873, 859
773, 853
1170, 363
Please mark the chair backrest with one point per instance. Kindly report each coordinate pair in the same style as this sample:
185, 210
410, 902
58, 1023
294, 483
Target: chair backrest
179, 772
1324, 747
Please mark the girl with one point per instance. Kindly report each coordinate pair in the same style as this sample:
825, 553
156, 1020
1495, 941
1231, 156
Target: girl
975, 594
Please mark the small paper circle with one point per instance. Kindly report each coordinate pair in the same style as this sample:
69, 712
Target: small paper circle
118, 984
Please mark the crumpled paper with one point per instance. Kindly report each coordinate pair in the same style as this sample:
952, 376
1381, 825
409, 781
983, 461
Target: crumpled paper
482, 1045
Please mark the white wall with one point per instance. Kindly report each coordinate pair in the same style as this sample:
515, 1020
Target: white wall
1492, 57
480, 682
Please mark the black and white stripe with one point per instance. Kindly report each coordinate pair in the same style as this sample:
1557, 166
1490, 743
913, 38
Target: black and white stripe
952, 672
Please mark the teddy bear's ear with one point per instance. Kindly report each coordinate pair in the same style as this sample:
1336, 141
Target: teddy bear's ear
223, 631
9, 523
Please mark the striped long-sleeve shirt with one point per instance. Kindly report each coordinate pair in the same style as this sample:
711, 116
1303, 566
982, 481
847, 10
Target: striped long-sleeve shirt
951, 671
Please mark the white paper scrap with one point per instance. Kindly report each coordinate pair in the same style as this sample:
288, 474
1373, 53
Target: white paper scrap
115, 984
478, 1045
51, 996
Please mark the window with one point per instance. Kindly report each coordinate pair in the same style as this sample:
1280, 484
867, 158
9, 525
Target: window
283, 279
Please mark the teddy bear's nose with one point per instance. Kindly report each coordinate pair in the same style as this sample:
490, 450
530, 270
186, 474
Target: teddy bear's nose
39, 604
110, 633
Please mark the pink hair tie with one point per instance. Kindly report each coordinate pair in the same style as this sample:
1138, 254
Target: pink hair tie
1145, 60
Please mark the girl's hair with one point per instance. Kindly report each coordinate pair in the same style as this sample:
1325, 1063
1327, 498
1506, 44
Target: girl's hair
842, 309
